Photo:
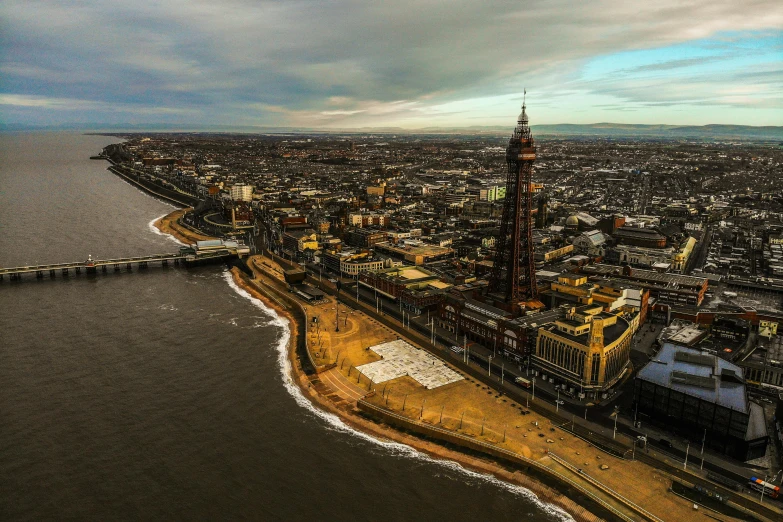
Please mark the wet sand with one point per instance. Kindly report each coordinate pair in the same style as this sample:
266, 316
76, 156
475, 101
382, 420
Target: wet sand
168, 225
351, 417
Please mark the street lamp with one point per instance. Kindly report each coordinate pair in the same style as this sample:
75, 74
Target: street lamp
557, 403
687, 448
616, 412
534, 388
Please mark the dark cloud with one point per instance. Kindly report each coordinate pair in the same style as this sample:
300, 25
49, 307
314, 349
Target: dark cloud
292, 61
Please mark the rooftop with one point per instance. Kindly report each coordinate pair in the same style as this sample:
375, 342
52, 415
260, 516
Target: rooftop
645, 275
686, 370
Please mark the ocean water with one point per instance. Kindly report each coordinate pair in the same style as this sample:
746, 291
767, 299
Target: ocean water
164, 394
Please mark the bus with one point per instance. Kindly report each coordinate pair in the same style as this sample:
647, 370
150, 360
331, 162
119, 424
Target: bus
768, 489
522, 382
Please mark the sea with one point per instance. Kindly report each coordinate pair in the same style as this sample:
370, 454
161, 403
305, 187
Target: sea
165, 394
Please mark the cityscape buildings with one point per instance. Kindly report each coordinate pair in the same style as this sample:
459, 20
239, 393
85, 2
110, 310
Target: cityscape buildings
561, 273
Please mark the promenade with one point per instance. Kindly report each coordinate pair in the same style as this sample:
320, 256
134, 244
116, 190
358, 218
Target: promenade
469, 408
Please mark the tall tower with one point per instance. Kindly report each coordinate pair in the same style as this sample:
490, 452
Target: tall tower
513, 279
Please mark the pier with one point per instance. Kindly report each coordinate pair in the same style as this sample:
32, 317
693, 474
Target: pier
202, 252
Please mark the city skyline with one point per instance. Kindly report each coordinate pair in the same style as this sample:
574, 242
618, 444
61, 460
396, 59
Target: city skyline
354, 65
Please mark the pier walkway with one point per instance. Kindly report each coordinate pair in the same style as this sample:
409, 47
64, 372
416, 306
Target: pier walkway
198, 253
92, 266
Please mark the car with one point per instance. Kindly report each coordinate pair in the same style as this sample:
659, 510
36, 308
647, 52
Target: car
665, 443
457, 349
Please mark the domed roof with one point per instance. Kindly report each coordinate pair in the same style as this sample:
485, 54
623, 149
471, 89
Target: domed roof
572, 220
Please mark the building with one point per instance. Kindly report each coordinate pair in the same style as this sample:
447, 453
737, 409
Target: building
705, 397
241, 192
415, 252
367, 220
591, 243
763, 366
364, 238
587, 350
491, 193
581, 221
641, 237
612, 295
671, 289
416, 289
351, 263
543, 255
733, 329
300, 240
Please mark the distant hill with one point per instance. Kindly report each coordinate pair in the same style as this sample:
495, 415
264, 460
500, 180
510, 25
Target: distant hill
665, 131
612, 130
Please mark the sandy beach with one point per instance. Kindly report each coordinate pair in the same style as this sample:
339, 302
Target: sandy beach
338, 387
352, 418
168, 224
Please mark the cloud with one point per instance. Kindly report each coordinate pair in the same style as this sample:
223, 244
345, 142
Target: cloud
354, 62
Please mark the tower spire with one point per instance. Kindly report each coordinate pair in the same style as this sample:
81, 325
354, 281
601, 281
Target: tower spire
513, 278
522, 120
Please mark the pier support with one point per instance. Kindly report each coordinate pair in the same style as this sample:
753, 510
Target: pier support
39, 274
103, 269
78, 270
129, 267
116, 268
65, 272
52, 273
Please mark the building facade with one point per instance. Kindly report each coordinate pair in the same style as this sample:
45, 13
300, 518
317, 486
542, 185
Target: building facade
587, 350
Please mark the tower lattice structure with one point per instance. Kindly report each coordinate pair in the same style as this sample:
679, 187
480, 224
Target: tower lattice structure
514, 274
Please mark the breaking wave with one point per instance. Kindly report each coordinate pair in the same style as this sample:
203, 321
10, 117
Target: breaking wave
336, 423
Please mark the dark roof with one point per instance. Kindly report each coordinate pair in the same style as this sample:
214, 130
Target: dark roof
638, 232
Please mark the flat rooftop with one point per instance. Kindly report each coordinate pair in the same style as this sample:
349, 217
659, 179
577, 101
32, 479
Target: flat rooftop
670, 370
645, 275
541, 318
687, 335
413, 273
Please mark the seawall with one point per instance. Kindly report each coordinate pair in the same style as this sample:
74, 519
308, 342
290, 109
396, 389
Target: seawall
548, 486
171, 196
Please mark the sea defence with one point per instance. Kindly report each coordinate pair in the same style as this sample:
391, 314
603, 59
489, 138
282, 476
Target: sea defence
153, 186
467, 420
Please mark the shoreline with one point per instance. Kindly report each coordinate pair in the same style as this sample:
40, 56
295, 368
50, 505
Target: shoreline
169, 224
547, 497
313, 387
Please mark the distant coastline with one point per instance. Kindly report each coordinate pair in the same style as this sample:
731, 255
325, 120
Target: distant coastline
767, 133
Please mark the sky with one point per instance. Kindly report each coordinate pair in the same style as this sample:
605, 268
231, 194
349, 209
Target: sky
345, 64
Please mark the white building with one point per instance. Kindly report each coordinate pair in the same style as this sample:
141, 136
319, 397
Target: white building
242, 192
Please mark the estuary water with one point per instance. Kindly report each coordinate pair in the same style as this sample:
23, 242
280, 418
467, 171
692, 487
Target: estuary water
163, 394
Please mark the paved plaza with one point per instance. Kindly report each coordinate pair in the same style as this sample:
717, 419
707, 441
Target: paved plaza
400, 358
